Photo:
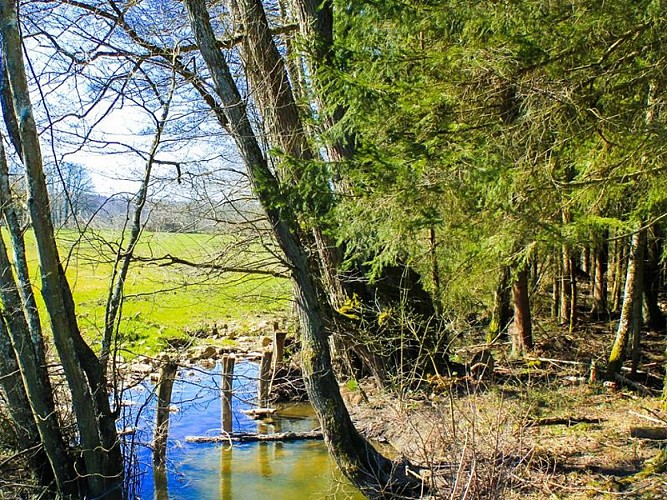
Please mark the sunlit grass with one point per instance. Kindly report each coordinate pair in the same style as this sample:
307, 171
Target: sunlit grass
165, 301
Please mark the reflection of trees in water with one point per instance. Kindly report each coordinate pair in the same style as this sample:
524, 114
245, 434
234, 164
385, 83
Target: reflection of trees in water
195, 394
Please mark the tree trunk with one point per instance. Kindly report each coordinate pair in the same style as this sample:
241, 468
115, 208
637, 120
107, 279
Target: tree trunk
502, 306
35, 379
655, 319
18, 244
555, 292
315, 19
271, 87
125, 254
620, 260
358, 460
600, 263
568, 289
27, 434
521, 331
96, 425
630, 321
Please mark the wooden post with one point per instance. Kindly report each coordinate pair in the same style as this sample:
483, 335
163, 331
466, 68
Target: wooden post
165, 386
278, 348
264, 379
228, 362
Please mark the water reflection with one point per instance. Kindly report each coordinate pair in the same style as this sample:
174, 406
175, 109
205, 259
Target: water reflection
272, 470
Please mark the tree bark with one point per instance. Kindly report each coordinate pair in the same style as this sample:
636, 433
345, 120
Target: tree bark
268, 78
620, 261
502, 306
631, 312
600, 263
315, 19
568, 289
521, 331
28, 354
27, 434
655, 319
357, 459
555, 292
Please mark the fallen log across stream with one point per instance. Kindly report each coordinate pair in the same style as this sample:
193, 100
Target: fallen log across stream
243, 437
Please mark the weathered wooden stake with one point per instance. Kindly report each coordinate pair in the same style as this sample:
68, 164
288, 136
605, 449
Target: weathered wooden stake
278, 348
264, 379
165, 384
228, 362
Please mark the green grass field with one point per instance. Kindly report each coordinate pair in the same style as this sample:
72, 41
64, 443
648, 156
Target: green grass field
166, 301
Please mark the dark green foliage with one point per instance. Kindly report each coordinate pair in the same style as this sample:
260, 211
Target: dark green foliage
509, 128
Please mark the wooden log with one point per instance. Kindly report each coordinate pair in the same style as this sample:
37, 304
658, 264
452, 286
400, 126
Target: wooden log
264, 384
649, 418
228, 362
564, 421
642, 389
556, 361
649, 432
242, 437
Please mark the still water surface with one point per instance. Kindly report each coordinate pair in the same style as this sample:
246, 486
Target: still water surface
203, 471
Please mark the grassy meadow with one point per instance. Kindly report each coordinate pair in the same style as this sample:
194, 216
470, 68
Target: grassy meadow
166, 301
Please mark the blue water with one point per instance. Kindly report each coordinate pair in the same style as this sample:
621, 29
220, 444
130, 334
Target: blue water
205, 471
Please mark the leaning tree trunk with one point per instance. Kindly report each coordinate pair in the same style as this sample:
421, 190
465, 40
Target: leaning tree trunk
356, 457
630, 321
12, 220
28, 354
521, 332
20, 411
271, 88
267, 74
35, 379
87, 384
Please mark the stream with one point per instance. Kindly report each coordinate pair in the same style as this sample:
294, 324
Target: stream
203, 471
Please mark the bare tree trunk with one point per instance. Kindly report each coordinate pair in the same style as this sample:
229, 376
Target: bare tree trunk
586, 260
14, 226
620, 261
101, 449
357, 459
521, 330
21, 412
32, 370
655, 319
556, 285
502, 306
568, 289
267, 73
630, 321
600, 262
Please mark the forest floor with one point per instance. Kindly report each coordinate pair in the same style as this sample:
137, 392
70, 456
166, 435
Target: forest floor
537, 428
